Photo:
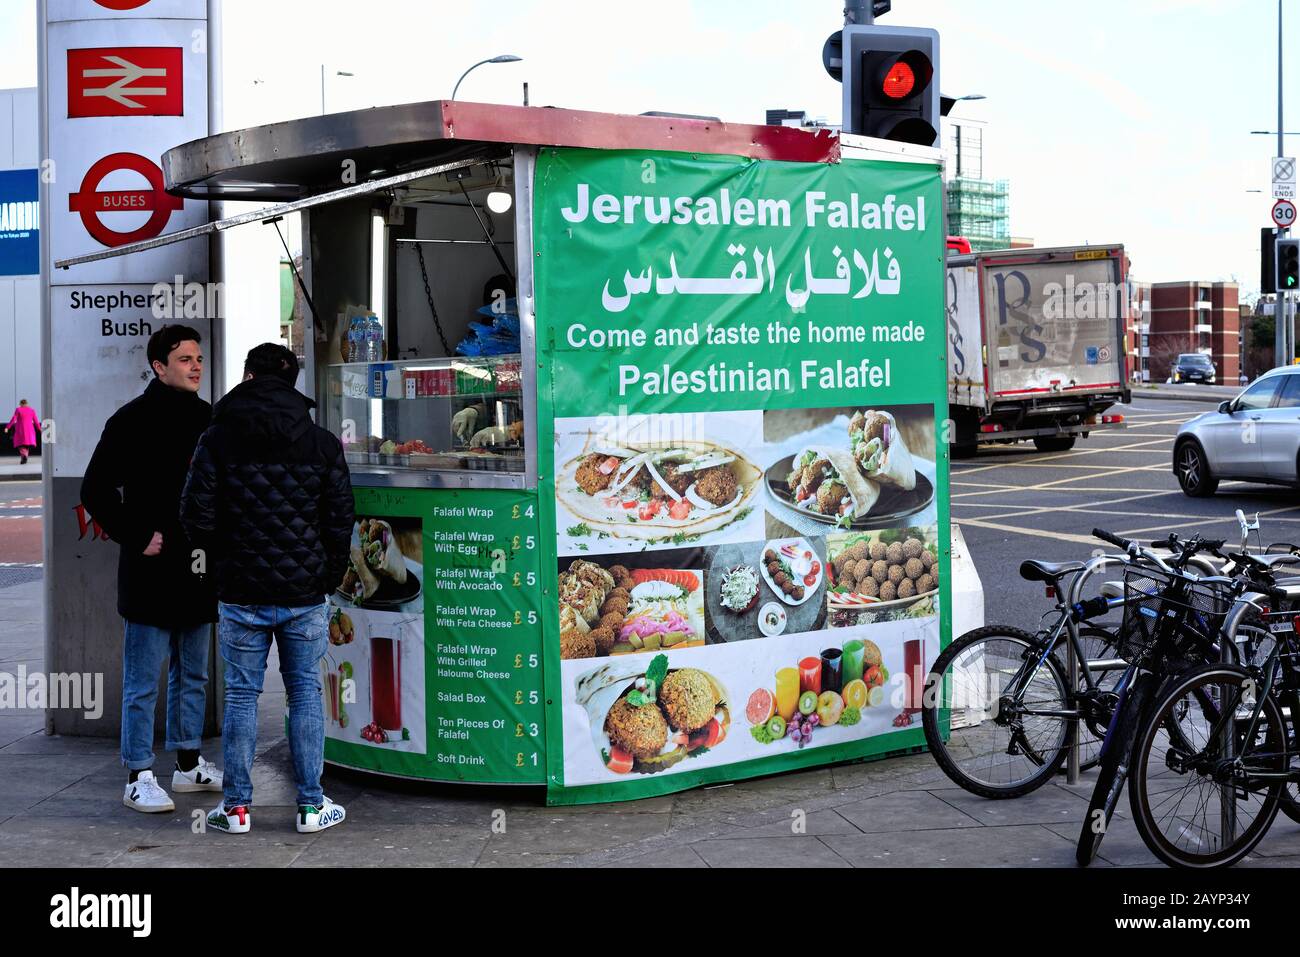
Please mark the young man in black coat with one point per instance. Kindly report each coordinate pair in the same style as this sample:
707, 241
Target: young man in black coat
270, 500
132, 488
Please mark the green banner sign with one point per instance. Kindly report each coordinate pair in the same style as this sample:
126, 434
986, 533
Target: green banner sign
434, 667
742, 364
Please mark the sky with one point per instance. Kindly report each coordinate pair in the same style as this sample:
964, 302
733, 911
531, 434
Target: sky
1113, 122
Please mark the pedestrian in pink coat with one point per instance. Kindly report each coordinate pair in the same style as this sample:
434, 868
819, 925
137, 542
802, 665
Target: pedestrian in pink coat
23, 425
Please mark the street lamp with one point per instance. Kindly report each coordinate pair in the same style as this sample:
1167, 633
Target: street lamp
946, 103
322, 84
504, 58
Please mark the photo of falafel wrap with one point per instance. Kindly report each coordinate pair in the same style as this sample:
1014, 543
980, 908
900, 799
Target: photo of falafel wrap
385, 564
649, 722
879, 449
825, 481
656, 490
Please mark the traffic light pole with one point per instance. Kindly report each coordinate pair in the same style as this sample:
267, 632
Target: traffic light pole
1283, 346
862, 12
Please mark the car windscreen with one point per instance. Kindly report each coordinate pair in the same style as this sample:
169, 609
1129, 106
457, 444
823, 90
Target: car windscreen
1194, 361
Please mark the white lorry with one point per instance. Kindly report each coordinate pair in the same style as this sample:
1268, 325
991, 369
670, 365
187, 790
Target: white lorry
1036, 345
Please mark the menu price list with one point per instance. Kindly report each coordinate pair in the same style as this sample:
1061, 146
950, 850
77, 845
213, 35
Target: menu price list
484, 636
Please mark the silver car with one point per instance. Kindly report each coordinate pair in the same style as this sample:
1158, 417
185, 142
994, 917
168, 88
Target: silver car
1254, 437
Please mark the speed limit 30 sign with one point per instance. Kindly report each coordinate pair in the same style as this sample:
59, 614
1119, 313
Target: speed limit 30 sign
1284, 213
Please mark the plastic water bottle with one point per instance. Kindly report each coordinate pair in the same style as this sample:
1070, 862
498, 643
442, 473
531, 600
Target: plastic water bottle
354, 339
374, 339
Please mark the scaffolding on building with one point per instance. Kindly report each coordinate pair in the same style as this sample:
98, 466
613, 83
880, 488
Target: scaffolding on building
977, 210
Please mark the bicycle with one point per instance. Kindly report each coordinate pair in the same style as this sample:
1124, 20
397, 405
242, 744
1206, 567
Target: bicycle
998, 714
1173, 621
1222, 733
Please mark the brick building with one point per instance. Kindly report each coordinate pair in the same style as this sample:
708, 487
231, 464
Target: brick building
1194, 317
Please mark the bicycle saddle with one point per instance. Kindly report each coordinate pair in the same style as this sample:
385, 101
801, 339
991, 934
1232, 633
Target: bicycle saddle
1050, 572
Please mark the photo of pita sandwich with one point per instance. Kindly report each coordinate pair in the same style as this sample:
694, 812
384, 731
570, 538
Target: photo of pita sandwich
879, 450
655, 490
826, 482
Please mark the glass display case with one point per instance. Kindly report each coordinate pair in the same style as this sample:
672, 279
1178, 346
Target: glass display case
436, 422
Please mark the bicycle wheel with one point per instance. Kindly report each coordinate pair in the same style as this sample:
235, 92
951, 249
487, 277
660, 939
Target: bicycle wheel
1113, 769
1188, 810
975, 712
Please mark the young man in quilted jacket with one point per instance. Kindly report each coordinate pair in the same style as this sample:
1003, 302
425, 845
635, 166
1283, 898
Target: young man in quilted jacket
269, 499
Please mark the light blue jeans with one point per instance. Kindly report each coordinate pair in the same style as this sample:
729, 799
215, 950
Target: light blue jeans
143, 649
301, 635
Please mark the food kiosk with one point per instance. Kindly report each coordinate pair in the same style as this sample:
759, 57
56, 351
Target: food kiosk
644, 417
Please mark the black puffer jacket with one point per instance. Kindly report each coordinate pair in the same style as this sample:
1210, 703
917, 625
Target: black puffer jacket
133, 488
269, 497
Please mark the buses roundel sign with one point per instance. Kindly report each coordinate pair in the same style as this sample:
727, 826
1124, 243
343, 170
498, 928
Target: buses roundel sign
92, 203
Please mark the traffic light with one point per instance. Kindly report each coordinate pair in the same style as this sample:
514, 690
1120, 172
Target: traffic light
891, 83
1288, 265
1268, 258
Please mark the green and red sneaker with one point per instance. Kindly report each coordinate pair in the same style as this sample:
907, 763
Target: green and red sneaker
317, 817
231, 820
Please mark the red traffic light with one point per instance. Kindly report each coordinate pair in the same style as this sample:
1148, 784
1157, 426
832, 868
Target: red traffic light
903, 76
898, 82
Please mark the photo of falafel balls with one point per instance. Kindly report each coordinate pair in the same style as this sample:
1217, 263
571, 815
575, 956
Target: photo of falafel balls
773, 569
619, 592
717, 485
860, 550
619, 572
614, 606
829, 496
641, 731
877, 551
894, 553
797, 592
924, 584
627, 584
888, 591
914, 568
912, 548
576, 644
896, 574
780, 579
603, 637
880, 571
869, 587
934, 573
688, 699
589, 476
769, 556
788, 587
906, 588
794, 480
679, 482
928, 559
613, 621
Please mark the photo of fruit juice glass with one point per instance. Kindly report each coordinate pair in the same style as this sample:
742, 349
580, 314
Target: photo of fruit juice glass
810, 675
787, 691
386, 682
914, 674
332, 689
832, 670
852, 661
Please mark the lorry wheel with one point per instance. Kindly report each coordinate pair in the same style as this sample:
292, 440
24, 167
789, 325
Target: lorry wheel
1054, 443
1193, 471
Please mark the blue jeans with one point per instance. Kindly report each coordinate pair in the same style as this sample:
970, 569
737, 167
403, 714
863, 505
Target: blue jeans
143, 649
301, 634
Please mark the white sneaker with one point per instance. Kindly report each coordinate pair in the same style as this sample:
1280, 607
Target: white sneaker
146, 794
317, 818
233, 820
204, 777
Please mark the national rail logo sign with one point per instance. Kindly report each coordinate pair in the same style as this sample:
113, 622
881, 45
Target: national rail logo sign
91, 202
126, 81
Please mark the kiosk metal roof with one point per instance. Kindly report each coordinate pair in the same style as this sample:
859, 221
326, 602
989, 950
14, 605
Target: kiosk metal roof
298, 158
